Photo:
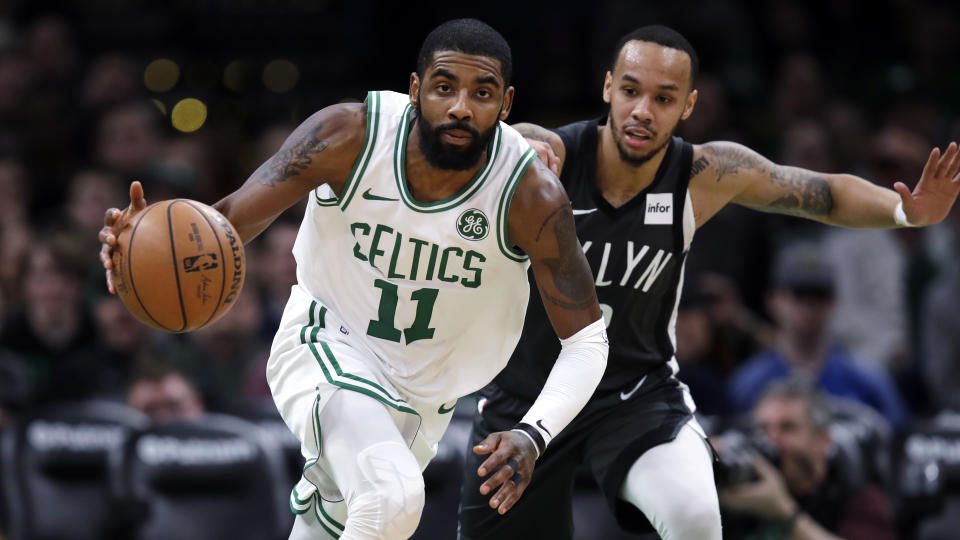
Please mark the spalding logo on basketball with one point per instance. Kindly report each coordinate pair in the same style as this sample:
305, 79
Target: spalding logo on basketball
178, 265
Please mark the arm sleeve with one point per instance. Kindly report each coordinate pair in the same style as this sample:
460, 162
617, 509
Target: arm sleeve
574, 377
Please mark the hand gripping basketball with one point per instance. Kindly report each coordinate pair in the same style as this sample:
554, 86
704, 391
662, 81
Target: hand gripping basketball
114, 221
177, 265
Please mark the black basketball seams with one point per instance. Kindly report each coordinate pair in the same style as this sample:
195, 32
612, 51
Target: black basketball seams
133, 286
176, 269
223, 261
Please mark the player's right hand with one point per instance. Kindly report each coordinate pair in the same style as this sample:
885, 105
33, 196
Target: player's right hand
114, 221
546, 154
512, 457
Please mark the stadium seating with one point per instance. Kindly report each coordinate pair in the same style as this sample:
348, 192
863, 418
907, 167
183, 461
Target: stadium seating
54, 467
215, 478
929, 477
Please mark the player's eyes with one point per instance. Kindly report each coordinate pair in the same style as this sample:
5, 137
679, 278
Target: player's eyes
664, 99
484, 93
629, 91
443, 87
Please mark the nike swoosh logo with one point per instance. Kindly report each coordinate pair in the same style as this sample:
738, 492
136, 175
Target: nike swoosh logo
626, 395
543, 427
444, 410
371, 197
578, 212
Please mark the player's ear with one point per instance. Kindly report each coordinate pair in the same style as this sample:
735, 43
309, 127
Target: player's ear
608, 87
507, 103
414, 89
688, 106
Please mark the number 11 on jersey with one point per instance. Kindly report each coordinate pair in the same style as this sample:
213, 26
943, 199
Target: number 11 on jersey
385, 325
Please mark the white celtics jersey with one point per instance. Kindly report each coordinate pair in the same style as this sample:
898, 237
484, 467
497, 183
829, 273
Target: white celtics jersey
433, 291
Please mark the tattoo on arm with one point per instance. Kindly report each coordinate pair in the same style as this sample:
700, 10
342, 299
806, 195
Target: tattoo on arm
698, 166
731, 160
805, 194
547, 220
578, 293
292, 160
535, 132
800, 192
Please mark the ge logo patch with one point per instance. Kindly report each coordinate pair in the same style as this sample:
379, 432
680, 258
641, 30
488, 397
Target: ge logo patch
473, 225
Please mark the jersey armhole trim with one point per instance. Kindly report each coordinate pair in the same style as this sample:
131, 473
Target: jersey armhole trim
360, 166
331, 201
503, 208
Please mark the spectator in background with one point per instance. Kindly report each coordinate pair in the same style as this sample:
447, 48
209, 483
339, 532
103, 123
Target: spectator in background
51, 50
15, 80
800, 89
128, 137
276, 272
871, 265
801, 304
940, 323
125, 343
165, 395
112, 78
847, 131
807, 494
53, 334
223, 358
14, 228
14, 388
696, 350
89, 190
715, 334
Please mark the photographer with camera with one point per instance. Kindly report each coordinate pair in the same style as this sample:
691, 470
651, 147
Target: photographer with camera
808, 494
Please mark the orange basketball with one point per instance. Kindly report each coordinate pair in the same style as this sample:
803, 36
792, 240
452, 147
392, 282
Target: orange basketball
179, 265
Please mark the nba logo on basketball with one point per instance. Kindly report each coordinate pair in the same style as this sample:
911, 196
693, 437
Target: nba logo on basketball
207, 261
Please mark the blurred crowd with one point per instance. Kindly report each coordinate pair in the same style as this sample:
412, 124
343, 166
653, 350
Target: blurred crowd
869, 317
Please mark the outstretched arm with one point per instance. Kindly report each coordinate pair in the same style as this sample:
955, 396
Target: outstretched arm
731, 172
321, 150
541, 224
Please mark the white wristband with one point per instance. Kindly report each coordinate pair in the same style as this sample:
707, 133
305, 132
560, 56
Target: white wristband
900, 217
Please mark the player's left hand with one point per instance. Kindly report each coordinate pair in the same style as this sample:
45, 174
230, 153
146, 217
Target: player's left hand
767, 498
937, 189
512, 457
546, 154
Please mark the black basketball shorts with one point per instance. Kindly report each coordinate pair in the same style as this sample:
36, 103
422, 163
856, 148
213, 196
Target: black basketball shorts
605, 439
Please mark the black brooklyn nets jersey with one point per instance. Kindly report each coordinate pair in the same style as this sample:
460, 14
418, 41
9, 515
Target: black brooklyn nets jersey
636, 253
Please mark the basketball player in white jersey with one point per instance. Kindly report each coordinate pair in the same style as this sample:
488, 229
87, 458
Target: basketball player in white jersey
639, 195
424, 213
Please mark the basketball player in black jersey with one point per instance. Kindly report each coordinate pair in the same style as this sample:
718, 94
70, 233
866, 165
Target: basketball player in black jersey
638, 195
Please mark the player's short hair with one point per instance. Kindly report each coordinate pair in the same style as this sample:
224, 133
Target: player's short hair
802, 389
469, 36
661, 35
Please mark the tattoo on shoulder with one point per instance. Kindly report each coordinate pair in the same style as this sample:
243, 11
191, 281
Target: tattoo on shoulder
698, 166
575, 286
537, 133
295, 159
732, 159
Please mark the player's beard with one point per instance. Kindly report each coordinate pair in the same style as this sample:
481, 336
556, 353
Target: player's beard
635, 160
447, 157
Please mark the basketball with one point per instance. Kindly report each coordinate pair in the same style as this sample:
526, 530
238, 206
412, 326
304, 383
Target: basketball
178, 265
